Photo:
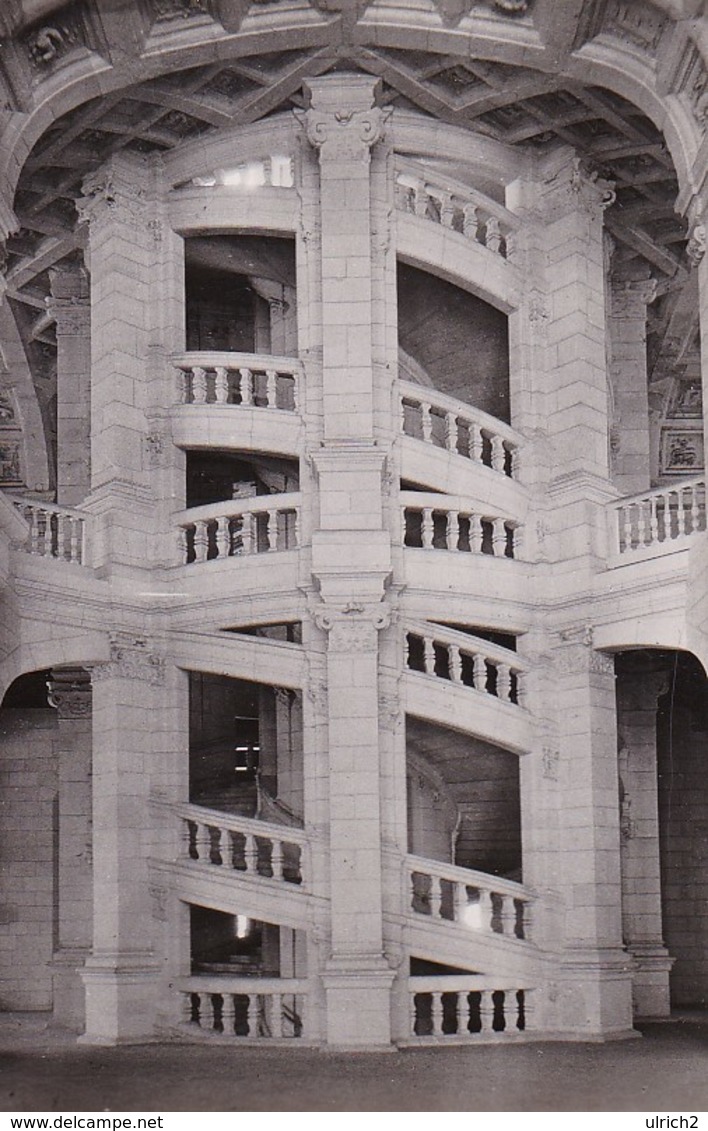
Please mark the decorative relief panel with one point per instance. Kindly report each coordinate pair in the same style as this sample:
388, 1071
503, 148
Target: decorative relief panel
131, 658
682, 451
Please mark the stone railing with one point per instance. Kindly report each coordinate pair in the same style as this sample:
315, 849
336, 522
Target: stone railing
244, 845
54, 531
465, 660
656, 522
274, 171
238, 379
474, 900
446, 522
463, 1007
247, 1008
442, 200
447, 423
259, 525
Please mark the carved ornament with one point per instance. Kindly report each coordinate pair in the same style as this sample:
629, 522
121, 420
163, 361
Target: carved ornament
551, 763
353, 627
47, 44
69, 692
696, 246
131, 658
109, 191
343, 131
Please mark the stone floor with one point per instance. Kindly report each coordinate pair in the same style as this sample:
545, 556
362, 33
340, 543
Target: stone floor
667, 1070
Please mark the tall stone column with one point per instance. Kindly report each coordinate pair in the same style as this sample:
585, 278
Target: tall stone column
119, 204
594, 978
629, 430
351, 545
639, 686
120, 976
69, 306
70, 694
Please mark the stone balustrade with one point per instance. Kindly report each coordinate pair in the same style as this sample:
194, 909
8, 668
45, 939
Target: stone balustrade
433, 521
464, 659
454, 205
473, 900
465, 1007
258, 381
54, 531
242, 844
447, 423
273, 171
259, 525
249, 1009
656, 522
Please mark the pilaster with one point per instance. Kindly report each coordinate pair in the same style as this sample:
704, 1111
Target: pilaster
629, 426
69, 306
120, 976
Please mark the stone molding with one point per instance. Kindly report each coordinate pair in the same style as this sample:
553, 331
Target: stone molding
353, 627
69, 692
631, 297
343, 121
131, 658
576, 653
575, 187
115, 191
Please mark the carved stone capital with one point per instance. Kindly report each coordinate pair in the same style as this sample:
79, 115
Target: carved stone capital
576, 653
342, 120
696, 246
119, 190
631, 298
69, 692
574, 187
131, 658
353, 627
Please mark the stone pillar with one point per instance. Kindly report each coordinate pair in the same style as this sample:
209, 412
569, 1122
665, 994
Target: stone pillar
343, 246
357, 978
119, 204
69, 306
639, 685
629, 428
594, 978
121, 975
70, 694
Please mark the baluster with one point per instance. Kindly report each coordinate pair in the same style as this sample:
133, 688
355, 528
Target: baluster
185, 840
413, 1013
74, 539
276, 859
463, 1013
296, 390
455, 660
684, 512
199, 385
460, 904
451, 530
246, 386
182, 544
62, 522
271, 388
504, 682
437, 1014
653, 519
475, 442
201, 540
403, 416
517, 540
498, 454
426, 421
508, 915
447, 209
404, 524
428, 528
267, 166
253, 1016
530, 998
296, 527
188, 1003
277, 1017
470, 221
436, 897
221, 385
486, 909
642, 522
420, 199
226, 848
429, 655
248, 532
475, 533
521, 688
250, 852
182, 381
486, 1011
451, 431
47, 535
228, 1014
498, 537
493, 235
31, 516
624, 520
273, 530
203, 843
695, 508
479, 672
223, 537
515, 463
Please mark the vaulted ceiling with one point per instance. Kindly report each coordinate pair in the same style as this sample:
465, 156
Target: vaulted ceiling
157, 72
